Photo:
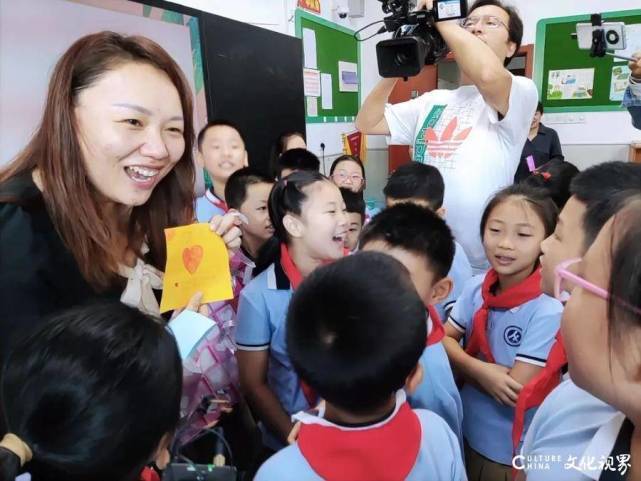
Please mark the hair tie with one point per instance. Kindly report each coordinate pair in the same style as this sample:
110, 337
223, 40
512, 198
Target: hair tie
18, 447
545, 175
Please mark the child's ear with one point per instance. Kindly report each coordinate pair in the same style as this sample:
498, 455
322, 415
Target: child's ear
441, 290
246, 161
293, 226
414, 379
441, 212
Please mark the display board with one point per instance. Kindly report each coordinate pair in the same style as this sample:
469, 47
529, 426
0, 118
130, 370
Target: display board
569, 80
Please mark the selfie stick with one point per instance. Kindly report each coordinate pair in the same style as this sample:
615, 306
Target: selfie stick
622, 57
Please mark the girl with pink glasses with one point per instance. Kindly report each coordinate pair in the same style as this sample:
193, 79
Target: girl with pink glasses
601, 329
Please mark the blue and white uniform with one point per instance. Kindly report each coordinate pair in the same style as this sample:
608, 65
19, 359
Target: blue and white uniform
524, 333
460, 273
208, 206
414, 445
437, 391
570, 426
262, 312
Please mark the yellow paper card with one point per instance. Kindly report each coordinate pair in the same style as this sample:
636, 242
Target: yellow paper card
197, 261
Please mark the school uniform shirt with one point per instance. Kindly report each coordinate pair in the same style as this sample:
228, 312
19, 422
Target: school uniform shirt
412, 445
460, 273
262, 311
524, 333
476, 152
570, 429
208, 206
437, 391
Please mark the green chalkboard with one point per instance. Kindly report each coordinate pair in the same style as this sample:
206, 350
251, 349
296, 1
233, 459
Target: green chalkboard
558, 52
334, 43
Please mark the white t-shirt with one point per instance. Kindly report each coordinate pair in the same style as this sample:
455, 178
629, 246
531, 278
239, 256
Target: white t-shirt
461, 135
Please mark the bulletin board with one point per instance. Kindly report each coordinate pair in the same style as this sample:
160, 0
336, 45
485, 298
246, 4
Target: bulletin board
335, 48
568, 79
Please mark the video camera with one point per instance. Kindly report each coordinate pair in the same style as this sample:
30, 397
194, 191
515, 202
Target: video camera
415, 42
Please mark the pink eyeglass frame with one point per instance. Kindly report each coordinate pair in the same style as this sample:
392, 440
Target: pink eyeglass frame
561, 272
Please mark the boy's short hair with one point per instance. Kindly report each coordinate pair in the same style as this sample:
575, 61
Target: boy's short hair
218, 123
416, 181
598, 187
297, 159
354, 202
417, 230
238, 182
356, 329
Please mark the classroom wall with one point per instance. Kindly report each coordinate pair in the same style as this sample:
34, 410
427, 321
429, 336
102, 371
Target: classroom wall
591, 137
278, 15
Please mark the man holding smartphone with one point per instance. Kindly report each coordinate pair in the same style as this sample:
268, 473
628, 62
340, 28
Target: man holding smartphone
473, 134
632, 98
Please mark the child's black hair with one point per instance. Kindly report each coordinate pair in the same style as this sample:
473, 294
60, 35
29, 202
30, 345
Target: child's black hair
288, 196
414, 229
297, 159
278, 148
537, 198
624, 303
356, 329
354, 202
238, 182
91, 392
218, 123
597, 187
416, 181
554, 176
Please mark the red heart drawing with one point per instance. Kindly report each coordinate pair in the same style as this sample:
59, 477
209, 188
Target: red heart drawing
192, 257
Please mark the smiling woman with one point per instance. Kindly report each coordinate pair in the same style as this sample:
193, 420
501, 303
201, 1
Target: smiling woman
83, 207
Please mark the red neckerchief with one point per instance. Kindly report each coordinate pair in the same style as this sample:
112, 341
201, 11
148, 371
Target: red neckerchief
290, 269
528, 289
438, 331
214, 199
384, 453
149, 474
535, 391
295, 278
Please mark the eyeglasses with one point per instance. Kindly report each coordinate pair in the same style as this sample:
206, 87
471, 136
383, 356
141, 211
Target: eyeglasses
563, 289
341, 176
487, 21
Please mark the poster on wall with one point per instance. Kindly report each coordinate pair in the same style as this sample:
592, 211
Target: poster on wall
348, 77
570, 84
310, 5
619, 82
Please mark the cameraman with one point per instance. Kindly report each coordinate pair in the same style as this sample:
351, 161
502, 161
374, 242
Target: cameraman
632, 98
474, 134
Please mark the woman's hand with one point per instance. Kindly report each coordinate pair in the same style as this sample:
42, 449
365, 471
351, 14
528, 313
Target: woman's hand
227, 226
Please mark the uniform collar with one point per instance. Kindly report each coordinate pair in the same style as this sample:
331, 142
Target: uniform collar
308, 418
386, 450
214, 199
277, 279
611, 439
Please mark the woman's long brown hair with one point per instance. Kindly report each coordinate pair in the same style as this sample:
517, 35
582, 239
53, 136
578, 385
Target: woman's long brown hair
70, 197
